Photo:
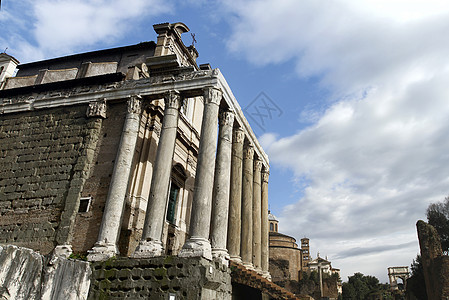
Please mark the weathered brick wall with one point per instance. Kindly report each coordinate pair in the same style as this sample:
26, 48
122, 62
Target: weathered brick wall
277, 257
43, 155
156, 278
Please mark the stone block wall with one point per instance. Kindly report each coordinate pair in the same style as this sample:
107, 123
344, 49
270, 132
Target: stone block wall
45, 155
158, 278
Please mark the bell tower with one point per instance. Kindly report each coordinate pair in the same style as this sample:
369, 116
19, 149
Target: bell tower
305, 247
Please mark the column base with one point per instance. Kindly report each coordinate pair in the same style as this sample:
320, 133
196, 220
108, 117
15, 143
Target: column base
148, 249
63, 251
196, 247
236, 258
102, 251
249, 266
266, 275
220, 255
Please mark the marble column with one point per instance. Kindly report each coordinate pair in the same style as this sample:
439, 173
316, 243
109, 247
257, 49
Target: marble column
246, 245
222, 183
235, 199
198, 244
106, 245
257, 195
264, 225
151, 244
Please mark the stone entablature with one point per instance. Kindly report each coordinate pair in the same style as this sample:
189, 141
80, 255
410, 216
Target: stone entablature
189, 84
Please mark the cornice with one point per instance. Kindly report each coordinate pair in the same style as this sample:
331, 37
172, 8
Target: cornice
189, 84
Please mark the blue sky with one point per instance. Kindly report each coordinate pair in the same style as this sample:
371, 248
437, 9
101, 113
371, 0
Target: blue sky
359, 149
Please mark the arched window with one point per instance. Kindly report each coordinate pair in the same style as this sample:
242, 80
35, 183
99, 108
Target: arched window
276, 227
271, 227
178, 179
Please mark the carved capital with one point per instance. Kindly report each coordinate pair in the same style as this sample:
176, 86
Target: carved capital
265, 174
248, 152
226, 117
212, 95
257, 165
134, 104
172, 99
238, 136
96, 109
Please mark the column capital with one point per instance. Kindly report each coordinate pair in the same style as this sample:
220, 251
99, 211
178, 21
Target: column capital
248, 151
97, 109
134, 104
257, 165
172, 99
265, 175
212, 95
226, 117
238, 135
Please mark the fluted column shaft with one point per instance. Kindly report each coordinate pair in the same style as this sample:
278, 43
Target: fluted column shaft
257, 195
265, 224
151, 244
235, 199
247, 207
106, 245
222, 183
198, 244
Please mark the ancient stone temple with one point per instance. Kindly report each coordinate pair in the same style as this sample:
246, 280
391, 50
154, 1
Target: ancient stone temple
142, 160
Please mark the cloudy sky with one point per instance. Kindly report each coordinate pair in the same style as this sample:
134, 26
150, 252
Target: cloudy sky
358, 139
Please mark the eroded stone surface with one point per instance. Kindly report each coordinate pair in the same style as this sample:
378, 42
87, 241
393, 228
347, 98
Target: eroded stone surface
25, 274
435, 264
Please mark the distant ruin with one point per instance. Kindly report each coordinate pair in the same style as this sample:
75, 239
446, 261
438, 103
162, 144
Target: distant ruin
435, 263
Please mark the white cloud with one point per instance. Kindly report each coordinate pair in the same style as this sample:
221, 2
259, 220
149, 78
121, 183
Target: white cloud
378, 155
61, 27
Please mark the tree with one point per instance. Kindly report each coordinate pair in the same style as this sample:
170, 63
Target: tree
348, 291
416, 284
438, 217
360, 287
